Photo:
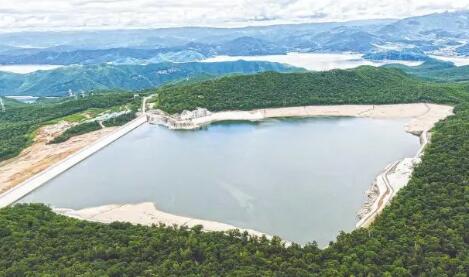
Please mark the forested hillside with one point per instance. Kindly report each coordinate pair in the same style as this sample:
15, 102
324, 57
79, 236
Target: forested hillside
18, 123
364, 85
77, 78
422, 233
436, 70
91, 126
11, 103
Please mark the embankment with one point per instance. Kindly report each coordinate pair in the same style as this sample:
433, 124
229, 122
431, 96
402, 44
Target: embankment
388, 183
17, 192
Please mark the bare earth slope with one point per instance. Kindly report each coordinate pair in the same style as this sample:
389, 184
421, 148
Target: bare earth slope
40, 155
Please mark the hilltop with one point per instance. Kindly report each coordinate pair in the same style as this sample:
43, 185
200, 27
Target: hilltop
436, 70
363, 85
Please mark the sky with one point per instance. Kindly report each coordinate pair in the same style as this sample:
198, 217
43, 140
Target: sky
116, 14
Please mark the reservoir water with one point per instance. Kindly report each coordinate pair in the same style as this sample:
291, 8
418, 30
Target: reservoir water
457, 60
301, 179
315, 61
27, 68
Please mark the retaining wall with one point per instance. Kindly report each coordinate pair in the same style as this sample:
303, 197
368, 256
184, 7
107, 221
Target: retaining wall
14, 194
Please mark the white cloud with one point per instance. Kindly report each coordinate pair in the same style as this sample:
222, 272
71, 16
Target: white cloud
71, 14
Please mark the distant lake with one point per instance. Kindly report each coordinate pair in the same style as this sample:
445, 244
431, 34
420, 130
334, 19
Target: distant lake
301, 179
27, 99
24, 99
27, 68
314, 61
458, 61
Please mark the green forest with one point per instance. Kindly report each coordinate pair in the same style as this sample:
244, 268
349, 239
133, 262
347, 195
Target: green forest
423, 232
364, 85
9, 103
436, 70
19, 121
91, 126
120, 120
77, 130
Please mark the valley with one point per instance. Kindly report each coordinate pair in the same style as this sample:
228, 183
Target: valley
425, 116
287, 138
63, 186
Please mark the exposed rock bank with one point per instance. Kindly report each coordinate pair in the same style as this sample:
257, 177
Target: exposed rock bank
145, 214
422, 117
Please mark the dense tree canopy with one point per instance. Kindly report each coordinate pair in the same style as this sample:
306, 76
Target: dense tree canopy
76, 130
436, 70
364, 85
120, 120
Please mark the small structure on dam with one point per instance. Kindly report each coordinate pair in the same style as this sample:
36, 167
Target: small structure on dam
177, 121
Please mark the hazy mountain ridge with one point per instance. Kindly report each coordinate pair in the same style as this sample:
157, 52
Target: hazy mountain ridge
78, 78
463, 50
168, 37
430, 34
407, 54
98, 56
436, 70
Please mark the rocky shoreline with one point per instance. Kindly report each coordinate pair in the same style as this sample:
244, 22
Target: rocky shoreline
422, 117
387, 184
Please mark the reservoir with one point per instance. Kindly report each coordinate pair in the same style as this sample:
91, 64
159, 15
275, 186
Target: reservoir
315, 61
27, 68
301, 179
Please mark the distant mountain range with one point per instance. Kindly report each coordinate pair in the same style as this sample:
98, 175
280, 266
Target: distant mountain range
442, 33
436, 70
406, 54
77, 78
190, 52
463, 50
140, 59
